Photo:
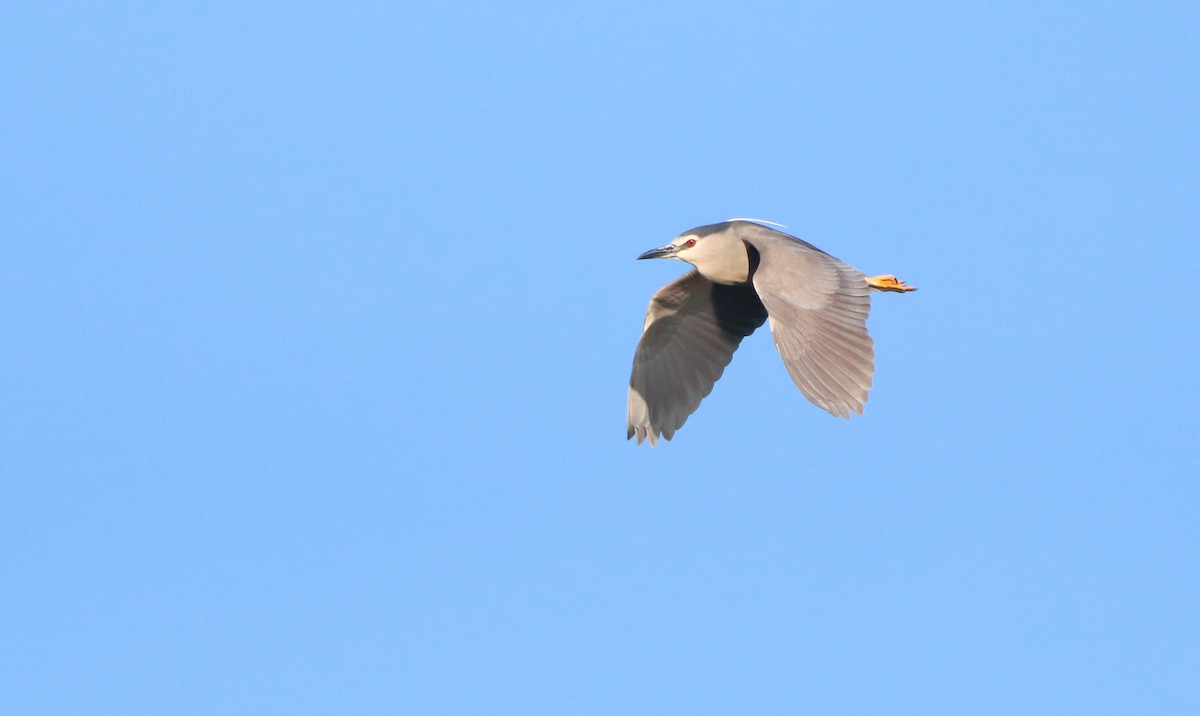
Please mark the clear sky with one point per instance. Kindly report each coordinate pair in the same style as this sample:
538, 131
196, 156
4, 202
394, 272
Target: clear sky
318, 320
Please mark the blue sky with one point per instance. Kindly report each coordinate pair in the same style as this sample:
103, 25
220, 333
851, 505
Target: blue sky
319, 320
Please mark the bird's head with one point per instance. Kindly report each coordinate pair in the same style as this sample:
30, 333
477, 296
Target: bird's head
716, 251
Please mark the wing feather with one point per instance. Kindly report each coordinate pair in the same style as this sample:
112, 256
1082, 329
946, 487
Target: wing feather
691, 331
819, 308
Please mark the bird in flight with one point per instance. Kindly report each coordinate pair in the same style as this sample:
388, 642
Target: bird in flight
746, 274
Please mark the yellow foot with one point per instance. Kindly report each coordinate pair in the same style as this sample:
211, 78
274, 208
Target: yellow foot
889, 283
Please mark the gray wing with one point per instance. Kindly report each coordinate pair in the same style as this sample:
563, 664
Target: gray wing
692, 328
818, 307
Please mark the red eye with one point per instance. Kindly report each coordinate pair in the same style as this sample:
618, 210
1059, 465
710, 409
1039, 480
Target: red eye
689, 243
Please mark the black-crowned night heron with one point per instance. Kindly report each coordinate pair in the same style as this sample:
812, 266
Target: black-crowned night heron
746, 273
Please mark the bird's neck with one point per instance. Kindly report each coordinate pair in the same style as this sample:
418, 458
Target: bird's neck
734, 265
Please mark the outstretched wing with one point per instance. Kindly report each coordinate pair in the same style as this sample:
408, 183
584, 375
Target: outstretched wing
692, 328
818, 307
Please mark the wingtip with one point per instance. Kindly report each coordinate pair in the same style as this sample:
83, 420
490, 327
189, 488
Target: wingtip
642, 434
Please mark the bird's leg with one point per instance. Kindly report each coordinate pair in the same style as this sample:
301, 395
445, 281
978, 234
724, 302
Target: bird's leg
889, 283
